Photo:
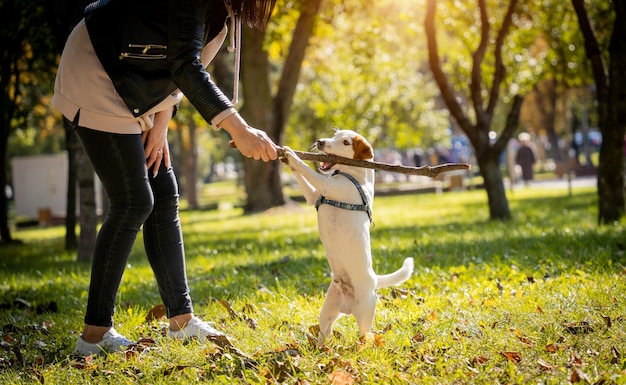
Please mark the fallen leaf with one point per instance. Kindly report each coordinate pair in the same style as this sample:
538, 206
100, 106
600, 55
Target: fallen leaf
429, 359
373, 339
525, 340
578, 376
158, 312
249, 308
480, 360
252, 323
37, 374
551, 348
607, 321
544, 365
341, 377
419, 337
512, 356
581, 327
616, 355
574, 360
231, 311
399, 293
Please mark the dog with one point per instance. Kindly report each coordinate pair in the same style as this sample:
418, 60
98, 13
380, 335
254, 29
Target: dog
343, 196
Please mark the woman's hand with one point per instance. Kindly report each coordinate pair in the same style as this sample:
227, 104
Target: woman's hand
250, 141
155, 144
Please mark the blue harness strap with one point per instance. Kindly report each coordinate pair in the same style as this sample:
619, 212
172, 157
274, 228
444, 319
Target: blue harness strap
347, 206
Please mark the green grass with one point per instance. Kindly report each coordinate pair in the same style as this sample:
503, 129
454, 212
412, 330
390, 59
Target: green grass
539, 299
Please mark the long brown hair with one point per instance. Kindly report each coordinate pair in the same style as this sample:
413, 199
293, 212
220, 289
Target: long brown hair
255, 13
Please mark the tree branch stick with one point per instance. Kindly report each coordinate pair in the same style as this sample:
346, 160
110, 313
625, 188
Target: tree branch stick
430, 171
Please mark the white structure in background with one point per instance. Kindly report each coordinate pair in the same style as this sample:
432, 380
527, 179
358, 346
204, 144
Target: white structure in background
40, 186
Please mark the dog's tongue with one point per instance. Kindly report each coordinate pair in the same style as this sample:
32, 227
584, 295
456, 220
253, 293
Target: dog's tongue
325, 166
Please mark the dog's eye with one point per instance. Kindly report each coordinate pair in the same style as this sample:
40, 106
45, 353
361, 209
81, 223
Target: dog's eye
346, 142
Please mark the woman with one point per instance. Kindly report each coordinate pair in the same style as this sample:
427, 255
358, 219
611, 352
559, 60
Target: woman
122, 73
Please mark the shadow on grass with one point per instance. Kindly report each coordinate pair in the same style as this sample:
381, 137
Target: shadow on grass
548, 235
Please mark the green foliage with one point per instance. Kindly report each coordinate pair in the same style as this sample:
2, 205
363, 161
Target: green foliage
365, 73
537, 299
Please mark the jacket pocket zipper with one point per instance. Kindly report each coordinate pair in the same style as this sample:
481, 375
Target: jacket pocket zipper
144, 52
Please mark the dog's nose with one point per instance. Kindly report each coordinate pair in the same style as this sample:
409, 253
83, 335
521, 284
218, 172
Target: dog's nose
320, 144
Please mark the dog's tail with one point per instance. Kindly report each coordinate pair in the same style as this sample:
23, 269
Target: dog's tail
398, 276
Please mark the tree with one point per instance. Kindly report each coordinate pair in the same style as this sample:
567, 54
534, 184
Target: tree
483, 101
611, 98
32, 33
262, 180
357, 77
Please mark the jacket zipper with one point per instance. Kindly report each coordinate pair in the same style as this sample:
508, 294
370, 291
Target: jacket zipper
144, 52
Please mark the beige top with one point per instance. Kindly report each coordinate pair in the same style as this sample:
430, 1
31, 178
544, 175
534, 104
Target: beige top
82, 84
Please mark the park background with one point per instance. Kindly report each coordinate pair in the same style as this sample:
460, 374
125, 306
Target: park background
458, 79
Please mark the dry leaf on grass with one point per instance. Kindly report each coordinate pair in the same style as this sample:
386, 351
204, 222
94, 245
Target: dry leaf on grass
480, 360
607, 321
512, 356
581, 327
157, 312
544, 365
578, 376
341, 377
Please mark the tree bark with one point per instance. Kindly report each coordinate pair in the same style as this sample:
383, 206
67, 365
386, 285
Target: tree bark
72, 146
611, 183
88, 216
611, 98
262, 181
189, 160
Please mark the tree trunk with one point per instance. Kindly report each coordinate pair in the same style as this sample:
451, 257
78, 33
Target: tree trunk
611, 170
7, 112
611, 98
5, 231
72, 145
487, 153
261, 180
494, 186
190, 165
88, 216
293, 64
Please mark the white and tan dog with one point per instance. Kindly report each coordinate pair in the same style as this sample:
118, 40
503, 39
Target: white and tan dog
343, 196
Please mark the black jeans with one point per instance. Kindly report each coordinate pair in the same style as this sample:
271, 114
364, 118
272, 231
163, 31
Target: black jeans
135, 199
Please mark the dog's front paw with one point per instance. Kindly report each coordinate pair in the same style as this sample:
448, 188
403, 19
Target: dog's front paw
289, 158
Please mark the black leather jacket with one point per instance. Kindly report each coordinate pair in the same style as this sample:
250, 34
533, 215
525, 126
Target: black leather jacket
149, 48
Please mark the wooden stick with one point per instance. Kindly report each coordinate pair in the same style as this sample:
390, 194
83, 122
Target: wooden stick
430, 171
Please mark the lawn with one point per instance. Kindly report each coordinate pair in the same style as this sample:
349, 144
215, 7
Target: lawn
539, 299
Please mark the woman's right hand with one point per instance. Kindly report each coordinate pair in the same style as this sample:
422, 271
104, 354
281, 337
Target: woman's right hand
250, 141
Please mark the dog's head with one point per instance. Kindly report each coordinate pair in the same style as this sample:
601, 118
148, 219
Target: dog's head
345, 143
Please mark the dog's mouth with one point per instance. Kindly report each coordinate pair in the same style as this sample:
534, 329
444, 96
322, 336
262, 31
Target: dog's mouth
326, 166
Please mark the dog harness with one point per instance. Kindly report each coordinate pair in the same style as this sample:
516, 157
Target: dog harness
347, 206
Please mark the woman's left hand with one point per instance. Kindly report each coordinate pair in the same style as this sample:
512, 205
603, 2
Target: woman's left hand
155, 144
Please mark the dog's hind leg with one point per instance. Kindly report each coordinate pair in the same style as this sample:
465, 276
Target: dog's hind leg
364, 309
330, 310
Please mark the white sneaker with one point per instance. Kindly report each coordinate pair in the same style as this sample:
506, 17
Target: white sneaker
195, 328
202, 331
111, 342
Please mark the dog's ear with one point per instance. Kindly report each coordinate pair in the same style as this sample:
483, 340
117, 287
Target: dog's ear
362, 149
